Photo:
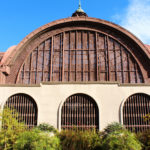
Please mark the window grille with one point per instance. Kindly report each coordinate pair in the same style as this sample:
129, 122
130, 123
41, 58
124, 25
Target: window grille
26, 108
134, 110
80, 55
81, 112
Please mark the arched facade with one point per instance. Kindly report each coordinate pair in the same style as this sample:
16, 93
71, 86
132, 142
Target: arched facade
78, 49
134, 109
25, 107
79, 111
78, 54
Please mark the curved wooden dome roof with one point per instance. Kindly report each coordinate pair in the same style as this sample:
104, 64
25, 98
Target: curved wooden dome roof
84, 26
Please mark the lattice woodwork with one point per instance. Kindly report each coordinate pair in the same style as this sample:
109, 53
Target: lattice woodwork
134, 110
80, 55
26, 108
81, 112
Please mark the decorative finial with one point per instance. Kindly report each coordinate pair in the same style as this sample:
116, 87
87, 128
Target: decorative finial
79, 12
80, 9
79, 3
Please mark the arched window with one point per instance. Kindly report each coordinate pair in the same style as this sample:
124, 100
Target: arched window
79, 111
26, 108
134, 110
80, 55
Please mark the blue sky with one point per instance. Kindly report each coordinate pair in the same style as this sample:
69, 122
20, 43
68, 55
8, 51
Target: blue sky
20, 17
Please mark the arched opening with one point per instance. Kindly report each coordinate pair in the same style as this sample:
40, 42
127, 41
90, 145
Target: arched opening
79, 111
25, 107
134, 110
82, 56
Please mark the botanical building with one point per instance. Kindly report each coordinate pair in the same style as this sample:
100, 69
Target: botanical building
78, 72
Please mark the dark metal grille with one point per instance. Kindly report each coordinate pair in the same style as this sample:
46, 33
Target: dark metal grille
134, 110
80, 56
25, 107
81, 112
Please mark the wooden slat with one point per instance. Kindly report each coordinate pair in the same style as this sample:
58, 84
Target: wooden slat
63, 56
43, 62
122, 69
51, 65
108, 59
89, 74
115, 61
69, 75
97, 68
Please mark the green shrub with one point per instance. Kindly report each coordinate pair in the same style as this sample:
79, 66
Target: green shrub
46, 127
147, 117
80, 140
116, 137
121, 140
115, 126
10, 130
144, 138
36, 140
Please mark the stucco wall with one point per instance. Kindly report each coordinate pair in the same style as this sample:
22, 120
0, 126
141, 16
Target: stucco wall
50, 98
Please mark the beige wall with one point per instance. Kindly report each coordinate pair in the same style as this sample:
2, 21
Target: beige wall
50, 98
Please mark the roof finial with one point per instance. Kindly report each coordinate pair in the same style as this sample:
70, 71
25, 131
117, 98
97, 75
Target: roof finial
80, 9
79, 12
80, 4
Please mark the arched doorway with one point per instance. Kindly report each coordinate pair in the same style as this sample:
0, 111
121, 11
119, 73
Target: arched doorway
80, 111
134, 110
26, 108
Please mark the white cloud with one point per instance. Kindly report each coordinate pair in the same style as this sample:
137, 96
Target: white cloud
137, 19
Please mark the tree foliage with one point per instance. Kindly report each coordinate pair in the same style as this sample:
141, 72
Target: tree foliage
46, 127
144, 138
115, 126
36, 140
10, 128
118, 138
121, 140
80, 140
15, 136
